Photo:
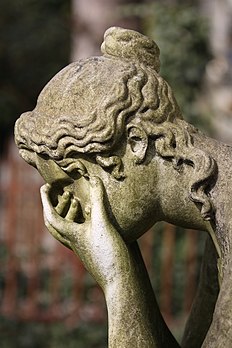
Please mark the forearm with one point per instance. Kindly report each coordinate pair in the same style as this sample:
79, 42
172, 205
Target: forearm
133, 314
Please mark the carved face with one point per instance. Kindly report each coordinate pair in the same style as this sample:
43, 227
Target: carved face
131, 203
87, 109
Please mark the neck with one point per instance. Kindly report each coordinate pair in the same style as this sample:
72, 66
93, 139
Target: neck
179, 209
220, 193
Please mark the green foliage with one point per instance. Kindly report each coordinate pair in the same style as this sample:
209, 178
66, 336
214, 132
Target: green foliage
34, 45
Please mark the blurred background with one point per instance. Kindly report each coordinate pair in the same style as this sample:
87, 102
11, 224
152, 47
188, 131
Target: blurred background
46, 297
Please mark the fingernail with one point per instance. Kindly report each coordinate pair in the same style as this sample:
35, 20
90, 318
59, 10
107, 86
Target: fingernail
74, 202
66, 194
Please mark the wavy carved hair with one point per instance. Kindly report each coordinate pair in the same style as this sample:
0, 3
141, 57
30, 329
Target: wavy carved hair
86, 108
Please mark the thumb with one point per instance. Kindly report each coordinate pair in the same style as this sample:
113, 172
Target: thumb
98, 211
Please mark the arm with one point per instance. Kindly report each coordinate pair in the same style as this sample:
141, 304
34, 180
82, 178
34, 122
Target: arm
134, 316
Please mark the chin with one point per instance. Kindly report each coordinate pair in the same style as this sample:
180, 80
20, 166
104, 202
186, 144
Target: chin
130, 220
133, 232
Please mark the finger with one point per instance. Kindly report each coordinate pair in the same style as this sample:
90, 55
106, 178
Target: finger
57, 235
97, 198
44, 193
49, 211
63, 202
73, 210
65, 228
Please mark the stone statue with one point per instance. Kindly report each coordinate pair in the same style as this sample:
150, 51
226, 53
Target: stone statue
109, 140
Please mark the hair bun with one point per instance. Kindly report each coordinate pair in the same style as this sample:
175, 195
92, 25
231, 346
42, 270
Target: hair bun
129, 44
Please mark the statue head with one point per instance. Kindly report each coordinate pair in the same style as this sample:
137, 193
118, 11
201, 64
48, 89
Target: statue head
116, 117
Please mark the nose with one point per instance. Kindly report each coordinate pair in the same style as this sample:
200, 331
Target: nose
28, 156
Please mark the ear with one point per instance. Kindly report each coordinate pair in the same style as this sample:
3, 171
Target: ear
138, 141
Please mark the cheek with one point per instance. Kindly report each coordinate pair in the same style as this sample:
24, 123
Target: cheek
134, 207
129, 211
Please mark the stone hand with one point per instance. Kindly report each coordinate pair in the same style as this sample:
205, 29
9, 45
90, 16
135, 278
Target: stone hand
65, 204
117, 267
95, 240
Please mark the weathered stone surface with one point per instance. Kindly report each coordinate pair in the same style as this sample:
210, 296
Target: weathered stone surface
109, 140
